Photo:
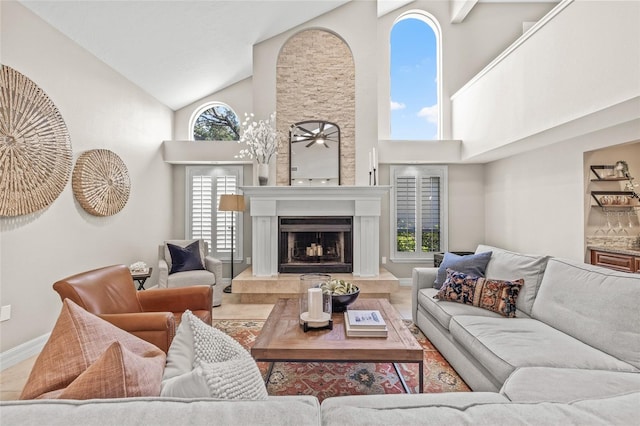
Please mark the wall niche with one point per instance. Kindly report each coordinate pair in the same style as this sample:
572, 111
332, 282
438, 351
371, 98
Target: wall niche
315, 80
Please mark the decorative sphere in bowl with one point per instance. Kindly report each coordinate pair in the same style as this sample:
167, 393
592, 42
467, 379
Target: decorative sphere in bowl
342, 294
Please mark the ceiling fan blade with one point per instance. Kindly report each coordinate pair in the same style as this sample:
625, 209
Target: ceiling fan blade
322, 127
325, 144
310, 143
304, 138
331, 132
307, 131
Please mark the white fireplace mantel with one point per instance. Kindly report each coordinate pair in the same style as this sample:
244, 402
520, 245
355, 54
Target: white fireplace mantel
267, 203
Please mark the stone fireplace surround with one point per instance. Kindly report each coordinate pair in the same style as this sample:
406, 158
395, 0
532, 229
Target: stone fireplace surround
268, 203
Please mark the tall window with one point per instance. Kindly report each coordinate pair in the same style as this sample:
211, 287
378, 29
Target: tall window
418, 209
415, 109
215, 122
205, 185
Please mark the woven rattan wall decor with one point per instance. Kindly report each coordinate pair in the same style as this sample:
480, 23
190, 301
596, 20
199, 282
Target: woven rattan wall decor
101, 182
35, 148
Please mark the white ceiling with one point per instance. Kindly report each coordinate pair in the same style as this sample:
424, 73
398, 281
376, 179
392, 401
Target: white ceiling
179, 50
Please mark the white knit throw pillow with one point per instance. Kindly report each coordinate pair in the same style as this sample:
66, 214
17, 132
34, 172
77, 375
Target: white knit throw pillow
220, 366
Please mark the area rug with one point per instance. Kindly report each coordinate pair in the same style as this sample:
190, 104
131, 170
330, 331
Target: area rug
327, 379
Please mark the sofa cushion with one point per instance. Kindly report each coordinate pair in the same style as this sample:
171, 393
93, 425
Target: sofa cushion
596, 305
298, 410
443, 310
203, 361
538, 384
501, 345
620, 410
494, 295
185, 258
189, 278
508, 265
78, 340
474, 264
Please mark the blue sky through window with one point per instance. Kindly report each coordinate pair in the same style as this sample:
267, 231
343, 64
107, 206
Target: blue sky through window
414, 94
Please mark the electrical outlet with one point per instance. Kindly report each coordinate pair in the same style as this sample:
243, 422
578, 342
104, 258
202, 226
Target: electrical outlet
248, 261
384, 260
5, 313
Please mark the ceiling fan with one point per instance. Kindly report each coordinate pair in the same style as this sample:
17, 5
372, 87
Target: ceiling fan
314, 132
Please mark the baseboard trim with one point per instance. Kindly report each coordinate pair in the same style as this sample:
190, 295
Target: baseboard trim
22, 352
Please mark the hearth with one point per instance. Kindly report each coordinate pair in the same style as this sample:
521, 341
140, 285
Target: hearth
315, 244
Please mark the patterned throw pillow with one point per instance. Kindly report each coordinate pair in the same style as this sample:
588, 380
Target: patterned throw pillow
204, 362
495, 295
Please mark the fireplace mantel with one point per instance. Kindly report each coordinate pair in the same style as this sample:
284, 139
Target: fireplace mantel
267, 203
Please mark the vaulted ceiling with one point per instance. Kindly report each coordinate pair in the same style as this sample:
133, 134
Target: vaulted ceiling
180, 51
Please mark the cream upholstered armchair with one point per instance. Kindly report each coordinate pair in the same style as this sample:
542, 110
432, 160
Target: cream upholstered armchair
184, 263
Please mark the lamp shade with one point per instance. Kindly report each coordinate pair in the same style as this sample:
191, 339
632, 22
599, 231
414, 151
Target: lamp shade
231, 203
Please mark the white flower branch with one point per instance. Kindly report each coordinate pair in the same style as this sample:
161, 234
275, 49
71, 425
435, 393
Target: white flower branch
261, 138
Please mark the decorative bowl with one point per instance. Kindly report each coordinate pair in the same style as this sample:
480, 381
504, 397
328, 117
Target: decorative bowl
339, 302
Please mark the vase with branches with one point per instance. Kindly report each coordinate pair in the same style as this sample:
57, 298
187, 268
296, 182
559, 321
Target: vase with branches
260, 137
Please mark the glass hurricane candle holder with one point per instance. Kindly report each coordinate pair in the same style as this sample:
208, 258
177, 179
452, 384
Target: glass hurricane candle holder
315, 306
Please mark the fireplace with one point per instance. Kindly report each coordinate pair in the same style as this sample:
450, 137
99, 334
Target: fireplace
315, 244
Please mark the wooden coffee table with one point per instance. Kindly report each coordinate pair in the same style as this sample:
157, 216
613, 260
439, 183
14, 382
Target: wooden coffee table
283, 340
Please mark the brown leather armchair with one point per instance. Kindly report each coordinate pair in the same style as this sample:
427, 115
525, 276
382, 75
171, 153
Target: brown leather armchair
152, 315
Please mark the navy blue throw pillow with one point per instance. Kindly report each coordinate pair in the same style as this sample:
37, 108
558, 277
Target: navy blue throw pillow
185, 258
473, 264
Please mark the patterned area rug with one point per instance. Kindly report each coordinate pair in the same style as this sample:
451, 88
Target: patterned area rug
327, 379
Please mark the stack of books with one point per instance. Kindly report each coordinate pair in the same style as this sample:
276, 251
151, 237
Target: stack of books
359, 323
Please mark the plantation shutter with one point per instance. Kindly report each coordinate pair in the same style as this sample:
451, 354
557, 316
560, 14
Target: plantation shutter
205, 186
418, 223
430, 215
406, 213
225, 185
201, 207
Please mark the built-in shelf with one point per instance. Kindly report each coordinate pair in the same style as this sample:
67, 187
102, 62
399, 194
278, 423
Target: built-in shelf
615, 201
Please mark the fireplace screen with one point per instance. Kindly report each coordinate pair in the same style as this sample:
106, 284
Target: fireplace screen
315, 244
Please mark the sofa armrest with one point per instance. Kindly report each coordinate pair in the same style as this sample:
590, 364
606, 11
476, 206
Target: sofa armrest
163, 273
194, 298
157, 328
422, 278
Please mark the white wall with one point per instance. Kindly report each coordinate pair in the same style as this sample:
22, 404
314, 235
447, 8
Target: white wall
583, 62
535, 202
102, 110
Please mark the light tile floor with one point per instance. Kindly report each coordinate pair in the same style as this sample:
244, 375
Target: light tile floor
12, 379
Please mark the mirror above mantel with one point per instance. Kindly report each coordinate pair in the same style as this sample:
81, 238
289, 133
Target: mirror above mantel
314, 153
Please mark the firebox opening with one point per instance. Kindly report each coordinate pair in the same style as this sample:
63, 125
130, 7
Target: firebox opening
315, 244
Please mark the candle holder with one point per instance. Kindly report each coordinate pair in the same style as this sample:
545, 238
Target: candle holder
315, 306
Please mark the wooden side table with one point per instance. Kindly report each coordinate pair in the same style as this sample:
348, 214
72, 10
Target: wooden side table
141, 278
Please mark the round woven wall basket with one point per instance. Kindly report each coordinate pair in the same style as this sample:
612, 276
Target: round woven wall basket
101, 182
35, 148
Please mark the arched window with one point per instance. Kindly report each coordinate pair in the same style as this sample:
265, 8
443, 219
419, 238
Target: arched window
215, 122
415, 109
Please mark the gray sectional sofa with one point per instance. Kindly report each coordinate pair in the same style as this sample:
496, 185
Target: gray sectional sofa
571, 356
